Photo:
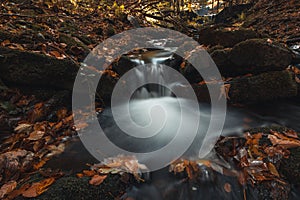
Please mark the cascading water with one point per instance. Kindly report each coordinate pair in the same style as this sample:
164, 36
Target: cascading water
154, 98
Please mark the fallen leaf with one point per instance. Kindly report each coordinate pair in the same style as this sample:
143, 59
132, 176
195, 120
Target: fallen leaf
79, 175
55, 53
18, 192
7, 188
88, 172
225, 91
97, 179
273, 169
286, 143
38, 188
5, 43
23, 128
227, 187
292, 134
62, 113
41, 163
36, 135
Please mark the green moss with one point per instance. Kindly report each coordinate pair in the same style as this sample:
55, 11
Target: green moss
79, 189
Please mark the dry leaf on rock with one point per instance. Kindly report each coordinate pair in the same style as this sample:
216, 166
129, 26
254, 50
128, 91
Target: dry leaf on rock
97, 179
38, 188
7, 188
21, 128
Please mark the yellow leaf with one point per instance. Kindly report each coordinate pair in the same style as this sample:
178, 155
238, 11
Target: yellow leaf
273, 169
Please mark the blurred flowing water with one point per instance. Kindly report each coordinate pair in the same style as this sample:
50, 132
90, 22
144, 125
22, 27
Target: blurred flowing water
153, 98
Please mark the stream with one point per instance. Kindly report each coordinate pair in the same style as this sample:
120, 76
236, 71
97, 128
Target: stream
160, 184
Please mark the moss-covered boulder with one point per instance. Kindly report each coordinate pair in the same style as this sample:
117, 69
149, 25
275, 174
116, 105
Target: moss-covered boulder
290, 167
263, 87
253, 89
221, 59
71, 187
36, 70
227, 37
259, 55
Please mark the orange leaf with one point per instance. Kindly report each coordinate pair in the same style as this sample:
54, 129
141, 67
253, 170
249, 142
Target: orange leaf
97, 179
55, 53
38, 188
41, 163
79, 175
227, 187
89, 172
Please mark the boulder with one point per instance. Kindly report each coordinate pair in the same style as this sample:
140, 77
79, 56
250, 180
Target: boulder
123, 65
263, 87
226, 37
229, 14
36, 70
71, 187
259, 55
221, 59
254, 89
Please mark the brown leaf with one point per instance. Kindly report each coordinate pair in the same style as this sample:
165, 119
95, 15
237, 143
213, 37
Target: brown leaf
23, 128
38, 188
89, 172
227, 187
62, 113
97, 179
292, 134
273, 169
7, 188
284, 142
18, 192
36, 135
56, 54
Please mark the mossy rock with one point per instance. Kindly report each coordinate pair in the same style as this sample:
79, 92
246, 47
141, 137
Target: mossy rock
260, 55
263, 87
21, 68
221, 59
226, 37
290, 167
254, 89
71, 187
